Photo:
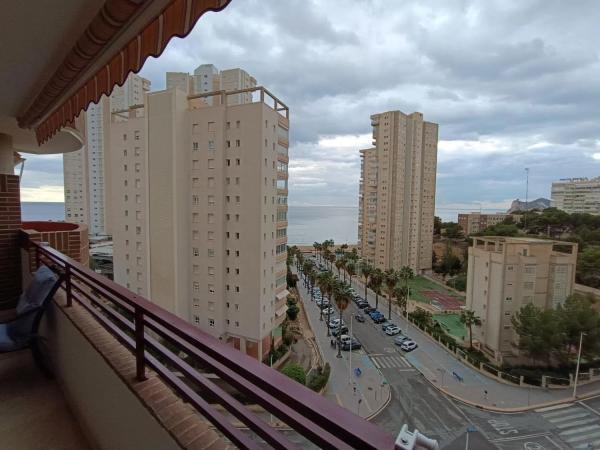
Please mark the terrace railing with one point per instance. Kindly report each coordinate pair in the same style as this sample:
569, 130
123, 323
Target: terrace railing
158, 339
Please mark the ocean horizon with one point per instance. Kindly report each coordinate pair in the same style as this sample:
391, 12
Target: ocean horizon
306, 224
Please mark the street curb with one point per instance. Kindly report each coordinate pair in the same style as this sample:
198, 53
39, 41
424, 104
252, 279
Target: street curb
511, 410
387, 402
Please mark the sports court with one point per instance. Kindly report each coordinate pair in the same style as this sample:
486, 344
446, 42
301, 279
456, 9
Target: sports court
442, 301
452, 325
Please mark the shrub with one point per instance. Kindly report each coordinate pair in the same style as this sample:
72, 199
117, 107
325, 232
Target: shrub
319, 378
292, 312
288, 339
295, 372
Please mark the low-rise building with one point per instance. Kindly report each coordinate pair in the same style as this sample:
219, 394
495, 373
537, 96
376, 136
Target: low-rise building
506, 273
476, 222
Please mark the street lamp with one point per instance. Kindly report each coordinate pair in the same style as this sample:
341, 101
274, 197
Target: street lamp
578, 361
350, 352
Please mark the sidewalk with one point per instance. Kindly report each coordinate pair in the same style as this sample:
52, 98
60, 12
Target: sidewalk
372, 392
439, 366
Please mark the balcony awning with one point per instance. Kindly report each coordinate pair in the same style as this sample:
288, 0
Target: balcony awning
282, 295
70, 90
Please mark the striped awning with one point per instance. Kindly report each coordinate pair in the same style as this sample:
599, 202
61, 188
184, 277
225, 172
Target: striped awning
176, 19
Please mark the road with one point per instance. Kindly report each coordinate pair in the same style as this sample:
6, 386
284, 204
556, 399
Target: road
416, 402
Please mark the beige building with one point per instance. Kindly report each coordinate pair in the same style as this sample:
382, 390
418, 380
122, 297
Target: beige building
476, 222
199, 210
397, 192
507, 273
84, 169
577, 195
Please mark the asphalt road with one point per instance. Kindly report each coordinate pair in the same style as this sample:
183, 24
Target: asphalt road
458, 426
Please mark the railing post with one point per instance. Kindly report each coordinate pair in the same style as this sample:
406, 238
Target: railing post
37, 258
68, 286
140, 362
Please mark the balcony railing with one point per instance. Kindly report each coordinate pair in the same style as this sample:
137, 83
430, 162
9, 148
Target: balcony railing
152, 333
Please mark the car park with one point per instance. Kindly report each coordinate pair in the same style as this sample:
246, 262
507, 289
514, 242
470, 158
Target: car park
359, 317
392, 330
408, 346
398, 340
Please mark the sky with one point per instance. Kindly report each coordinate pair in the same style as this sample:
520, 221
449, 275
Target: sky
512, 84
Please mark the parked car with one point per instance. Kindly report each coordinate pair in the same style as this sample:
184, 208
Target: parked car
359, 317
362, 304
334, 323
392, 330
386, 324
379, 319
351, 345
337, 330
328, 310
368, 309
398, 340
408, 346
374, 313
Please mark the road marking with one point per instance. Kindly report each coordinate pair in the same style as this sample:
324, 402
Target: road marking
581, 430
556, 413
376, 363
565, 418
590, 408
552, 408
587, 438
517, 438
577, 422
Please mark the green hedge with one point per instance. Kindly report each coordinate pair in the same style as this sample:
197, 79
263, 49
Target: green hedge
318, 379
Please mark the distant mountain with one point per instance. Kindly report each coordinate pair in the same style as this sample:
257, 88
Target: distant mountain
539, 203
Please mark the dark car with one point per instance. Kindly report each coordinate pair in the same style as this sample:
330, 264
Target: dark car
352, 345
337, 331
368, 310
362, 304
359, 317
374, 313
380, 319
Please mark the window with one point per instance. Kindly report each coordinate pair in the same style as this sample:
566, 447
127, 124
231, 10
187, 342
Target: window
211, 200
211, 235
237, 142
136, 135
196, 286
211, 288
211, 145
237, 180
237, 123
211, 218
124, 137
125, 153
211, 182
195, 251
196, 199
237, 199
195, 146
211, 252
237, 161
138, 230
211, 322
228, 143
137, 167
228, 162
211, 125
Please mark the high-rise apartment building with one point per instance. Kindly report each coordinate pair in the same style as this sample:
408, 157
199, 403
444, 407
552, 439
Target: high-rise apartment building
476, 222
505, 274
199, 218
577, 195
84, 170
397, 192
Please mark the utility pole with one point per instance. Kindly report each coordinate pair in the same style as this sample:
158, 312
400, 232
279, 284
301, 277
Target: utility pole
578, 361
526, 195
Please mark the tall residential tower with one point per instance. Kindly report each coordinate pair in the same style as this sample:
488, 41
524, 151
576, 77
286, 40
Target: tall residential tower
200, 210
84, 170
397, 192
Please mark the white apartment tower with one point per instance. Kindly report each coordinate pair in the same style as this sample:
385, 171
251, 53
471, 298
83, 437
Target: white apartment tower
577, 195
84, 170
200, 214
397, 192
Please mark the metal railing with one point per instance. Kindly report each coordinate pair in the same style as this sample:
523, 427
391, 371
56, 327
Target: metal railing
158, 338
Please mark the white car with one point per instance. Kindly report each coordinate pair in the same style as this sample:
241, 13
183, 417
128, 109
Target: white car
334, 323
408, 346
392, 330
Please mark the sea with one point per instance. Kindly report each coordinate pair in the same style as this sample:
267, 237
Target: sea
306, 224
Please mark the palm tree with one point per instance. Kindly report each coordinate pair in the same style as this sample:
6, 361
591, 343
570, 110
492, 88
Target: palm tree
342, 299
307, 266
391, 280
376, 283
366, 270
339, 263
469, 318
406, 274
351, 269
331, 259
401, 294
325, 281
312, 278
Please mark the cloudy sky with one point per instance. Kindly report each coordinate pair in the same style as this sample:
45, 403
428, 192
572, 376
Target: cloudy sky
512, 84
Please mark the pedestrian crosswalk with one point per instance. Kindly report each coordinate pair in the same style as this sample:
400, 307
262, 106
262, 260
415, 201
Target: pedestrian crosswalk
577, 426
390, 362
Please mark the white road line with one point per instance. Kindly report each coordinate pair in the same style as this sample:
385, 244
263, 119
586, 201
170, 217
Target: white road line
553, 408
397, 362
518, 438
560, 413
384, 363
376, 363
586, 438
581, 430
576, 423
585, 446
589, 408
571, 417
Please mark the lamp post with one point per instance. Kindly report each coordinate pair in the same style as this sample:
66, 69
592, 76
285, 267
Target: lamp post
578, 362
350, 352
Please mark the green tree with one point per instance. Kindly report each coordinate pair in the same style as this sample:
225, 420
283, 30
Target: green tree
422, 317
588, 267
295, 372
366, 270
577, 315
406, 274
342, 296
437, 226
539, 332
500, 229
452, 230
469, 318
292, 312
376, 283
450, 263
325, 281
392, 278
351, 270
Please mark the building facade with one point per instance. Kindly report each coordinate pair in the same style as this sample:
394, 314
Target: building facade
505, 274
199, 218
577, 195
476, 222
397, 192
84, 169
